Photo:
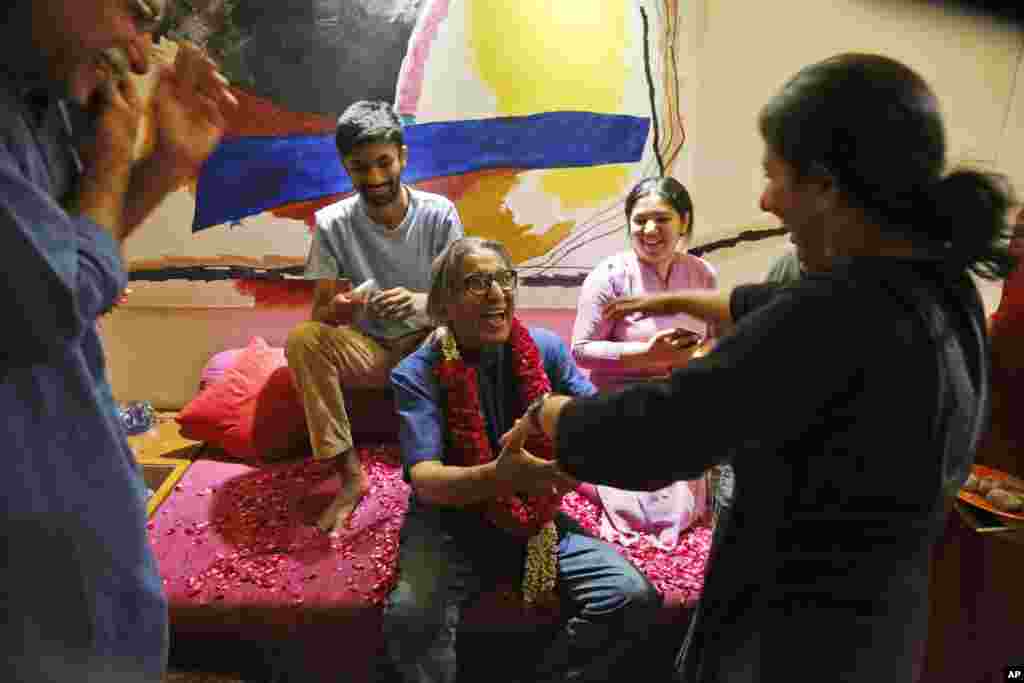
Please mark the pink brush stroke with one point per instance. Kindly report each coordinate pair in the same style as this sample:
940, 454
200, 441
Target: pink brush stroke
410, 77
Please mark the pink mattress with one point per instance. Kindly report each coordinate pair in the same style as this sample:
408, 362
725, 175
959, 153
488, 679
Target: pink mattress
239, 555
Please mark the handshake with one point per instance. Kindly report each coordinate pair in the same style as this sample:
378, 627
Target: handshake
525, 472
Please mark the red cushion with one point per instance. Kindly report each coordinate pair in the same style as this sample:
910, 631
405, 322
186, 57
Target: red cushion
253, 411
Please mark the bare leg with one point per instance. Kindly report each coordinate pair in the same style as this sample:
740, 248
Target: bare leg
354, 485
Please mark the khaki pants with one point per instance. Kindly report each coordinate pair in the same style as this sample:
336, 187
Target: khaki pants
325, 360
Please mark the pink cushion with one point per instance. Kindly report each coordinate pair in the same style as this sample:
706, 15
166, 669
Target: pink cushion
215, 368
253, 411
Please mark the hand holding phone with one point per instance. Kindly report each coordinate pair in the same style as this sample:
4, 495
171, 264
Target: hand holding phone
365, 291
343, 307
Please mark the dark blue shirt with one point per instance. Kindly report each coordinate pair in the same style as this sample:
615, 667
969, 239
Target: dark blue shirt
421, 408
79, 583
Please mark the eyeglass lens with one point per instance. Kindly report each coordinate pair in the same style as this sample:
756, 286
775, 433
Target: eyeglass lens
480, 283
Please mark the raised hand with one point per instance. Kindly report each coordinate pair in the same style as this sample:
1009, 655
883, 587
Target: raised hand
118, 111
108, 156
190, 102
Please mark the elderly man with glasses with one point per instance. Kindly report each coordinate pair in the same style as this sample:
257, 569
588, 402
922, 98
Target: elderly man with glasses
80, 594
476, 517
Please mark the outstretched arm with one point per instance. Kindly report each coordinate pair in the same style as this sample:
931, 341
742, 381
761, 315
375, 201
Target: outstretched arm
422, 442
710, 305
739, 405
594, 349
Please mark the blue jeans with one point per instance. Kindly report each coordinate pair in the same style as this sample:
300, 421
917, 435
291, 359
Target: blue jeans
445, 566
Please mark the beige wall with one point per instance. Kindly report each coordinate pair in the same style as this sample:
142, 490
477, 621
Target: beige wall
733, 55
157, 353
750, 49
746, 50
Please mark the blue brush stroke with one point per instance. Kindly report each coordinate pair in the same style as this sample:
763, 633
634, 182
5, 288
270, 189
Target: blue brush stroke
248, 175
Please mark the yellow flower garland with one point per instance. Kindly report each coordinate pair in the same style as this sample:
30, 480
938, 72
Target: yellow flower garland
541, 571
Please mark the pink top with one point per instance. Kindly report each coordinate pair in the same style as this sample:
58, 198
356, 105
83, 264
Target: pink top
598, 344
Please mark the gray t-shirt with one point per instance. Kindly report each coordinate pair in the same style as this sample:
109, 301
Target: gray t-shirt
348, 243
785, 269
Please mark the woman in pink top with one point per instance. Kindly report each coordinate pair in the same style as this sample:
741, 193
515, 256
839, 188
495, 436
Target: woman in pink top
659, 214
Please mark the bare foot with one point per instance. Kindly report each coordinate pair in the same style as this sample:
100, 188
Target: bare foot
354, 485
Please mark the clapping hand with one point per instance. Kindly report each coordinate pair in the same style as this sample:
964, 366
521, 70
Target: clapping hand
108, 154
118, 109
527, 473
190, 102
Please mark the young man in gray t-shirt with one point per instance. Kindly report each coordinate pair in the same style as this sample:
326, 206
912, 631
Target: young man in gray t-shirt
382, 240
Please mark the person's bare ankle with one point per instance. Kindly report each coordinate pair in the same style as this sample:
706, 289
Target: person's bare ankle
347, 464
354, 486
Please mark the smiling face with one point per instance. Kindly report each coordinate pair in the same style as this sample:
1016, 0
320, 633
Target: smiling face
376, 172
655, 229
480, 320
795, 203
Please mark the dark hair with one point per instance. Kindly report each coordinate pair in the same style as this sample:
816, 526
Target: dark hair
873, 125
669, 189
367, 122
447, 270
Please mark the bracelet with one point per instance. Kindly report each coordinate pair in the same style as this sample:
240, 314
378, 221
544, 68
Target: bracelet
533, 413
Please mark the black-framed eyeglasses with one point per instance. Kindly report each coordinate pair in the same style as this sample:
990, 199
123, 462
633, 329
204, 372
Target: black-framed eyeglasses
480, 283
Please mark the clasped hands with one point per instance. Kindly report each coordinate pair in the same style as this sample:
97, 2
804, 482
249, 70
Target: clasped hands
190, 100
526, 473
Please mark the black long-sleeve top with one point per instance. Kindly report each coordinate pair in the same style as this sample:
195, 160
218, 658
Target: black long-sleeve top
847, 405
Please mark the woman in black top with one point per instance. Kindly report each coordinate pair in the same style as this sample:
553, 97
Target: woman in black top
848, 404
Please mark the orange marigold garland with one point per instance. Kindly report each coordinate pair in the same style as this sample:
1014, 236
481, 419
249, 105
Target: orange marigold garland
529, 517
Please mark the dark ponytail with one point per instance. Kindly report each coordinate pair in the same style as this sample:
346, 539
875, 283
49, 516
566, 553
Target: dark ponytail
970, 210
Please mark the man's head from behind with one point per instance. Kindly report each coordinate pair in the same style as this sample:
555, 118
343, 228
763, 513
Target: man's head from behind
473, 292
372, 149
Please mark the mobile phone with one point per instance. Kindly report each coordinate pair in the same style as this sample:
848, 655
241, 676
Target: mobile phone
689, 336
366, 289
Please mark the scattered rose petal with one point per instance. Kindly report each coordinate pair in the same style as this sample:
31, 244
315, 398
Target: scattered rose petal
259, 540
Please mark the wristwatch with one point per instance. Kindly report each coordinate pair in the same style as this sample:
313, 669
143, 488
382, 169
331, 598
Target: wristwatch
533, 413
